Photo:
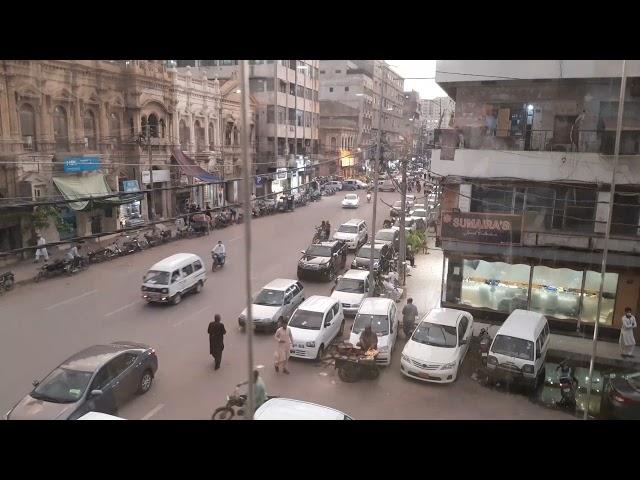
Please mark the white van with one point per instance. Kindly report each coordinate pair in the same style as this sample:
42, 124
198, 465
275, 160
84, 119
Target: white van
315, 323
381, 314
169, 279
519, 349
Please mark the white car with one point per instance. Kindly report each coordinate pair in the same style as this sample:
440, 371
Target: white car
314, 325
99, 416
381, 314
351, 200
289, 409
419, 213
361, 184
277, 300
353, 233
351, 289
437, 348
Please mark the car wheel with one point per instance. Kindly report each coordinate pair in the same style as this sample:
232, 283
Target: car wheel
199, 286
320, 353
223, 413
177, 299
145, 382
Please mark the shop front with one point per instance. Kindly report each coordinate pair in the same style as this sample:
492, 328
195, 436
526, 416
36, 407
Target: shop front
496, 275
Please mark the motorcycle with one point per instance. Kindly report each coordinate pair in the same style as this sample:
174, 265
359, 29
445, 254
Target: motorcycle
132, 245
6, 281
568, 386
234, 405
218, 261
76, 265
53, 269
102, 254
320, 235
368, 198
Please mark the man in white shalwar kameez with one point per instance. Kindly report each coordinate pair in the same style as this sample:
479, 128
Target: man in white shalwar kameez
627, 340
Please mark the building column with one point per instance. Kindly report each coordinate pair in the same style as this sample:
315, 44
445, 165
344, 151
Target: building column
192, 133
206, 132
464, 197
602, 212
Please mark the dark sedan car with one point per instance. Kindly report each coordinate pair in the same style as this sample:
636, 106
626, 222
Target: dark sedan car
323, 261
621, 398
98, 379
382, 257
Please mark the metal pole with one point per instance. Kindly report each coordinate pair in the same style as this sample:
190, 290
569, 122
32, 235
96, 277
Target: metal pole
152, 203
376, 176
244, 82
403, 236
605, 249
581, 301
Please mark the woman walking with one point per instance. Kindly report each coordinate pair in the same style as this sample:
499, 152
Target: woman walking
285, 339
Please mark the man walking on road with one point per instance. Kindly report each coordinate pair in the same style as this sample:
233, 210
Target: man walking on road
409, 314
216, 333
41, 252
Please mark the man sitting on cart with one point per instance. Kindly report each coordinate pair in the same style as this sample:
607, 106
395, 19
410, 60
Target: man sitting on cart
368, 339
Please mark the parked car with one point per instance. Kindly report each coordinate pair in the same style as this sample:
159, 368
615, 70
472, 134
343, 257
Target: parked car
336, 185
382, 257
419, 213
100, 378
322, 261
519, 349
438, 346
361, 184
389, 236
277, 300
381, 314
314, 325
353, 233
351, 289
170, 279
410, 200
621, 396
351, 200
386, 185
349, 185
396, 209
99, 416
289, 409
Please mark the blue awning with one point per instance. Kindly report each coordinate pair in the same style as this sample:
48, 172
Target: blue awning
190, 168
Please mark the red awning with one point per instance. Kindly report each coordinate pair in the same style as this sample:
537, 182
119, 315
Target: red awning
190, 168
628, 124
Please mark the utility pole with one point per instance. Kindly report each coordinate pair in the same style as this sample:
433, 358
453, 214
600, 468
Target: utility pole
605, 250
244, 82
403, 237
376, 176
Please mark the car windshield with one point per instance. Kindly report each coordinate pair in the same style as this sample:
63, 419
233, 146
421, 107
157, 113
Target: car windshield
156, 277
365, 252
379, 324
419, 213
634, 380
385, 236
318, 251
350, 285
348, 229
513, 347
306, 319
270, 298
350, 197
62, 386
435, 335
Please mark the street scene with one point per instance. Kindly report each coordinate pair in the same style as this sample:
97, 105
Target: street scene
454, 258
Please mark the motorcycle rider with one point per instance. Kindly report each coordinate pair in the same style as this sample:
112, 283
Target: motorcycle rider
219, 252
369, 197
327, 229
565, 374
73, 256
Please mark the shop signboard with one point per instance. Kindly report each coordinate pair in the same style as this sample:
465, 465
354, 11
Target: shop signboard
130, 186
81, 164
493, 228
159, 176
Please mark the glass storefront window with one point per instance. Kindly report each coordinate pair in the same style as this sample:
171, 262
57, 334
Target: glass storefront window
556, 291
591, 289
494, 285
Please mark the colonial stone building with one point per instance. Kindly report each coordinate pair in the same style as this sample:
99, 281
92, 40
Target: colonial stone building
102, 125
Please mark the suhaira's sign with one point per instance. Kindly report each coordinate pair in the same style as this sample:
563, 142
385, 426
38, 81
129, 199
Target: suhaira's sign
494, 228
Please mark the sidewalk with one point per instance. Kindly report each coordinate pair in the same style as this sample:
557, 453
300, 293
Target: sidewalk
425, 284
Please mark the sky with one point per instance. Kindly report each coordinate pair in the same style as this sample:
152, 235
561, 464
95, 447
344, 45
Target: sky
418, 68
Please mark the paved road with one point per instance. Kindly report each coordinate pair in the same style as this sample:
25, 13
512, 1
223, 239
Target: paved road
42, 324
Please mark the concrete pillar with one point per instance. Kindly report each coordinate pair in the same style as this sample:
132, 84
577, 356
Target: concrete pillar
602, 212
464, 198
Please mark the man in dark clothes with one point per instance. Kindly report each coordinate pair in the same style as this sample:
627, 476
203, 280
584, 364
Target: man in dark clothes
216, 333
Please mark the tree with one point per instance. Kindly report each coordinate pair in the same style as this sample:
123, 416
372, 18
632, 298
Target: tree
42, 216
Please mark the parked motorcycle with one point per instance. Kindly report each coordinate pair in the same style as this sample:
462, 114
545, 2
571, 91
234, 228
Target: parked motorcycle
568, 386
102, 254
6, 281
52, 269
132, 245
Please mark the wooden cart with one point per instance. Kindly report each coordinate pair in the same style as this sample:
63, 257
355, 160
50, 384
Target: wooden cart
352, 363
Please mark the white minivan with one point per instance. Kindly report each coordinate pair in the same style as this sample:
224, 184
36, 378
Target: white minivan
314, 325
519, 349
381, 314
171, 278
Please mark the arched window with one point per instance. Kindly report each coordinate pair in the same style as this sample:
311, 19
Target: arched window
153, 125
114, 127
143, 126
163, 128
199, 131
211, 136
333, 144
60, 129
184, 135
90, 130
28, 127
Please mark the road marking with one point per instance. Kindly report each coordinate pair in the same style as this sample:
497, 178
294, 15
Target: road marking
69, 300
153, 411
192, 315
122, 308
